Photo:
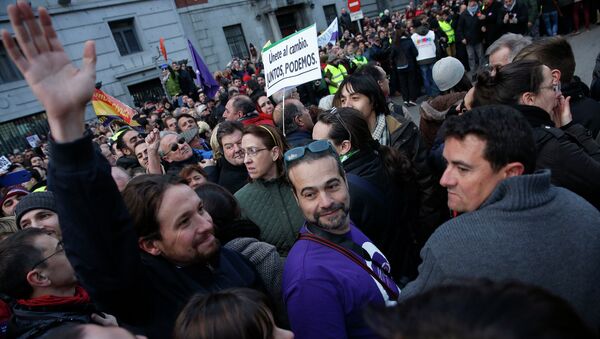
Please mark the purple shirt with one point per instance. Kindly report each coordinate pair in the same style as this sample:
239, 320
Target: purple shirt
325, 292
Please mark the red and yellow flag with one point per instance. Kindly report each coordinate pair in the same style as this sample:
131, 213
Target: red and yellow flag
107, 107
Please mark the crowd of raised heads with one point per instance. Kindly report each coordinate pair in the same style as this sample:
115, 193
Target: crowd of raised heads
325, 210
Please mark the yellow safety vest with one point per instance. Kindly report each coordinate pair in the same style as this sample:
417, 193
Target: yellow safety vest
359, 62
447, 28
337, 76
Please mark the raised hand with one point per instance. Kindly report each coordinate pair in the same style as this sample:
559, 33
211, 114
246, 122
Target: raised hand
63, 89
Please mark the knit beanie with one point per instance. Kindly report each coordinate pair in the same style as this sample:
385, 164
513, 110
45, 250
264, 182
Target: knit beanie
447, 72
34, 201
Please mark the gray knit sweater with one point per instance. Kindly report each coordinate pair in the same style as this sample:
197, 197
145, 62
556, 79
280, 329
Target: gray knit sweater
527, 230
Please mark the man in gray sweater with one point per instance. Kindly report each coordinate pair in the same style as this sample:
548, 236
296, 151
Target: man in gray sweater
514, 224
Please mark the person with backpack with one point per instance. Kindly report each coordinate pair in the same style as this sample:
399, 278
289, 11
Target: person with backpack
403, 59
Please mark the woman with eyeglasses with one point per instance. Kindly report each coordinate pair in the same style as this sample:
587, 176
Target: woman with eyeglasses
383, 194
564, 147
268, 200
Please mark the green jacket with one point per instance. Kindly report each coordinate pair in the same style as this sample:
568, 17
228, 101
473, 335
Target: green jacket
272, 207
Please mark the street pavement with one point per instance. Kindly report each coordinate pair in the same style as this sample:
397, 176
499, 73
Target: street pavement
586, 47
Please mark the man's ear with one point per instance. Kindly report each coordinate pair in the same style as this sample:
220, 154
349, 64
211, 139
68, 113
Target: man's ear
298, 121
35, 278
149, 246
513, 169
346, 146
126, 151
556, 74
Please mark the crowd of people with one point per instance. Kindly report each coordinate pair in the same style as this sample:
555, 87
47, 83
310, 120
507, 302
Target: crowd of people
323, 210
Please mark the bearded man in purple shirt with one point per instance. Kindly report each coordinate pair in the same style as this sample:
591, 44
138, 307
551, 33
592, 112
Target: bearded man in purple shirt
333, 271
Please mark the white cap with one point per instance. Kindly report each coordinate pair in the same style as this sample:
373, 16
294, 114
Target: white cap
447, 72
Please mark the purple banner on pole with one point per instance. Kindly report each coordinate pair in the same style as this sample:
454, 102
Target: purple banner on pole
204, 78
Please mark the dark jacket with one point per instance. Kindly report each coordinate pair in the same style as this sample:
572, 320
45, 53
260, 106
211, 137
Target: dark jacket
405, 53
128, 161
520, 11
298, 138
405, 136
569, 152
385, 210
492, 28
227, 175
469, 28
32, 318
585, 111
99, 239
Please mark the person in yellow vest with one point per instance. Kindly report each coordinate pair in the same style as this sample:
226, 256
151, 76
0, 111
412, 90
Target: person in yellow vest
335, 73
359, 59
446, 26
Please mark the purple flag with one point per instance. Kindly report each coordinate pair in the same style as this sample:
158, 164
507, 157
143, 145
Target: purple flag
204, 78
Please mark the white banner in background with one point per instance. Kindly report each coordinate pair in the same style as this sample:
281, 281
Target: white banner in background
330, 34
292, 61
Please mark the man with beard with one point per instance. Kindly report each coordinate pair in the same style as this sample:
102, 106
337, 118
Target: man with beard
141, 255
333, 264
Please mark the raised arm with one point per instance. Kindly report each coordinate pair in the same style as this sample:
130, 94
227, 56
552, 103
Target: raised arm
63, 89
98, 235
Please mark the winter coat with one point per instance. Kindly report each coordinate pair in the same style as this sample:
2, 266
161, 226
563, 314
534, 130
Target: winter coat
469, 28
585, 111
405, 137
139, 289
227, 175
403, 56
492, 28
385, 209
433, 115
520, 12
272, 207
32, 318
569, 152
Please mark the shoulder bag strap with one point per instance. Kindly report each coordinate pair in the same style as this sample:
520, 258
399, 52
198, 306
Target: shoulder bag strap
311, 237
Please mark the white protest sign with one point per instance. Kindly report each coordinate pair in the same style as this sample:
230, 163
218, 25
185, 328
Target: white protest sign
292, 61
33, 140
356, 16
4, 163
331, 33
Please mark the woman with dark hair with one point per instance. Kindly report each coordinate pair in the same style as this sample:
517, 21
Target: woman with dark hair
230, 314
364, 94
383, 192
404, 63
563, 146
268, 200
242, 236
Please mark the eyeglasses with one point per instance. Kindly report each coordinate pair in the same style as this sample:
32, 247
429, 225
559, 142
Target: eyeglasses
59, 249
555, 87
251, 152
318, 146
175, 147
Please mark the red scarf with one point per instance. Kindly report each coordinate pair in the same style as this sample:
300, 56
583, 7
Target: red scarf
80, 297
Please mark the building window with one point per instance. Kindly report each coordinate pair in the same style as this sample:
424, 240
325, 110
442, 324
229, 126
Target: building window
8, 70
330, 13
124, 33
236, 41
13, 133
